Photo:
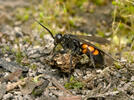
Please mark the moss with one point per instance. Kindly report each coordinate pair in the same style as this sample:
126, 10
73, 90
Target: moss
115, 89
74, 84
33, 66
22, 14
7, 48
19, 56
117, 65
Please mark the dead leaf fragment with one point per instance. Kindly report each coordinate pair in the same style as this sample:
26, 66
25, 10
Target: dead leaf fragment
63, 61
28, 87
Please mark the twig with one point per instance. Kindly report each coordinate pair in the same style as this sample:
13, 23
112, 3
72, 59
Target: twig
14, 85
21, 82
55, 82
101, 95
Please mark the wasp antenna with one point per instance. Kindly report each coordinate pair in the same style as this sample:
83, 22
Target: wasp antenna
45, 28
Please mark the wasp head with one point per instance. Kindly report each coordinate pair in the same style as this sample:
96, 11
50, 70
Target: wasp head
58, 38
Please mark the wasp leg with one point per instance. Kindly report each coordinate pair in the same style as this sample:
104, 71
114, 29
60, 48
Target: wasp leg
92, 60
73, 53
70, 68
53, 53
70, 63
65, 49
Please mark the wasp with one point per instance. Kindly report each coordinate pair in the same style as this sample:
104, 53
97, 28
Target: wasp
80, 44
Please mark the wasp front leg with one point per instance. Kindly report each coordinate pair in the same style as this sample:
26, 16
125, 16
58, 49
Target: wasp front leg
70, 67
53, 52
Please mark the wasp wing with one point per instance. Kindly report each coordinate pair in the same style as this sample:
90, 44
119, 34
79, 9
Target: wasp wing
99, 40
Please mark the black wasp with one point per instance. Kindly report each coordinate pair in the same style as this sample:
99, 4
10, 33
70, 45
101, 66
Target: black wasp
79, 44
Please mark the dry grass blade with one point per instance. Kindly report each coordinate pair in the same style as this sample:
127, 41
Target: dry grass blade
102, 95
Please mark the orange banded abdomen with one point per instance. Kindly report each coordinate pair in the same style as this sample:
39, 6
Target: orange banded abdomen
86, 48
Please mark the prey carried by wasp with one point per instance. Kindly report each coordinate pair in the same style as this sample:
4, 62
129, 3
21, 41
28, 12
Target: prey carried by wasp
80, 44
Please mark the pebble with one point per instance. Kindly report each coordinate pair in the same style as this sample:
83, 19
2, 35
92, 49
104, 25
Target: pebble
27, 97
8, 96
18, 97
132, 79
18, 93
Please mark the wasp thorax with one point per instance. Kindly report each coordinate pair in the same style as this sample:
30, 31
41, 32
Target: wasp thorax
58, 38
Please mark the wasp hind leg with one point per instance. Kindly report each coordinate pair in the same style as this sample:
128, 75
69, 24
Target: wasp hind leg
70, 68
92, 59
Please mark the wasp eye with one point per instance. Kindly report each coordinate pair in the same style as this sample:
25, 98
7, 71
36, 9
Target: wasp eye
58, 38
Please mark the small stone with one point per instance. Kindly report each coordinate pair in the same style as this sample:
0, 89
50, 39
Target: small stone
27, 97
18, 98
132, 78
2, 90
118, 75
18, 93
35, 56
8, 59
18, 32
8, 96
79, 72
99, 71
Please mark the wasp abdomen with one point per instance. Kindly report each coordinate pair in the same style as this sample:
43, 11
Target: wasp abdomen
87, 48
97, 56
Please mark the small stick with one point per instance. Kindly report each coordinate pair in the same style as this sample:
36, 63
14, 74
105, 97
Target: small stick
55, 82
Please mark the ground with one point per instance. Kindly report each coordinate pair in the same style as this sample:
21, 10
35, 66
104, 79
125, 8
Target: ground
28, 71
